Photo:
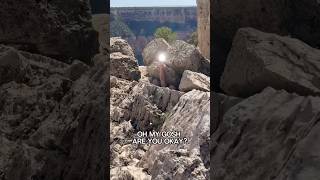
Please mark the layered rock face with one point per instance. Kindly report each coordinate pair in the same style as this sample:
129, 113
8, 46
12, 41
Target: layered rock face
159, 14
52, 120
203, 15
55, 28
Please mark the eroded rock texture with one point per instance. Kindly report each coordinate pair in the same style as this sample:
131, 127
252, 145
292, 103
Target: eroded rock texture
123, 64
52, 122
258, 60
299, 19
271, 135
57, 28
191, 116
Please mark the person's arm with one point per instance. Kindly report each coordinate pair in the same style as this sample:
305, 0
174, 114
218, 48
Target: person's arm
163, 82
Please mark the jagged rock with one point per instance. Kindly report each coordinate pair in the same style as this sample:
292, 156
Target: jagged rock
297, 18
172, 78
183, 56
183, 161
124, 66
51, 126
192, 80
152, 50
76, 69
149, 105
129, 172
12, 66
274, 131
59, 29
120, 45
144, 73
258, 60
221, 104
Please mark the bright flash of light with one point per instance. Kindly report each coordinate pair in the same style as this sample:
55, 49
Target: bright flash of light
162, 57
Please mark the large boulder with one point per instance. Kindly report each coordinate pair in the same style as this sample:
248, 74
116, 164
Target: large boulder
297, 18
52, 126
153, 49
258, 60
124, 66
192, 80
271, 135
57, 28
120, 45
186, 160
183, 56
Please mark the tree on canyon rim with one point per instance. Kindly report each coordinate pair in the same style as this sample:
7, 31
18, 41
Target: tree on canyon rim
165, 33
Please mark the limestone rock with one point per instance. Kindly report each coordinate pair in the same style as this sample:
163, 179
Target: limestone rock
183, 56
124, 66
297, 18
192, 80
153, 49
52, 126
129, 172
76, 69
144, 73
274, 131
258, 60
13, 66
187, 160
59, 29
120, 45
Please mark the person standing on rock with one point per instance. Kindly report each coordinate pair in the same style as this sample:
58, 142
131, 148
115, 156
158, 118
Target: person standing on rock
162, 66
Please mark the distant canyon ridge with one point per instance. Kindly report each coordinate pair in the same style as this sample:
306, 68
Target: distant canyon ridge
138, 24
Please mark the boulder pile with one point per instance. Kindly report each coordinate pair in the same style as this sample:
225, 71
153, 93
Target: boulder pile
142, 105
180, 57
265, 125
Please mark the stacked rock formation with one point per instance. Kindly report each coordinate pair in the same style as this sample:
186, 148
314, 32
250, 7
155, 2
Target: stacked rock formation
266, 70
142, 105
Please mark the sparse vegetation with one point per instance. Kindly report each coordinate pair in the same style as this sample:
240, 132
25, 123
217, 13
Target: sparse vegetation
165, 33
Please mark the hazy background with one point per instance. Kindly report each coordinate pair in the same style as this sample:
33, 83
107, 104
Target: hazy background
152, 3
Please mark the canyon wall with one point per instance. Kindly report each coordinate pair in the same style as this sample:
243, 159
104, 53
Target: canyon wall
161, 14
